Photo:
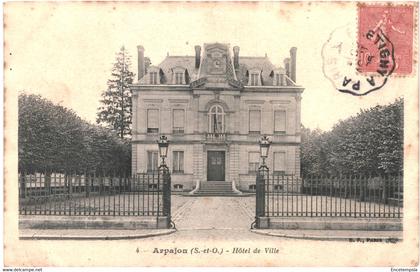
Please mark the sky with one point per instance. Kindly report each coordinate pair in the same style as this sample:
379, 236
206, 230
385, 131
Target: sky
65, 51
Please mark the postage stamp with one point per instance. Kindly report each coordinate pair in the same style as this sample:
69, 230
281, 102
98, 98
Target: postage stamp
393, 23
360, 61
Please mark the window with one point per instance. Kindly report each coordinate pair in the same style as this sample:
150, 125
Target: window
178, 162
178, 187
152, 161
178, 121
179, 78
278, 79
254, 121
216, 119
254, 79
280, 121
279, 162
253, 161
152, 121
153, 78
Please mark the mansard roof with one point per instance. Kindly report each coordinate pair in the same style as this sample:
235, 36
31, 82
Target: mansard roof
241, 74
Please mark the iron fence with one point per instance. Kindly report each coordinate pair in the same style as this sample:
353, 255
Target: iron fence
54, 193
280, 195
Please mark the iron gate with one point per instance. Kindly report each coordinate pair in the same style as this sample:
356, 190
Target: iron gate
280, 195
95, 194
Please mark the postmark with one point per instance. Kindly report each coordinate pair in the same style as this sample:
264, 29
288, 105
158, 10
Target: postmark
341, 56
394, 22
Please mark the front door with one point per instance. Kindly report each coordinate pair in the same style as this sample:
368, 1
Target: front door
216, 165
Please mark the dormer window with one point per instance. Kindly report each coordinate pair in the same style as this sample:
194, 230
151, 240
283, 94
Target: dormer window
153, 78
278, 77
179, 78
179, 75
254, 77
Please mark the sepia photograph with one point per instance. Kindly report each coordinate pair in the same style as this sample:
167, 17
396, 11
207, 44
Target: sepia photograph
211, 134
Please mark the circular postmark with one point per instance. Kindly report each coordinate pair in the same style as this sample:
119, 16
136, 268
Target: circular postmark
344, 60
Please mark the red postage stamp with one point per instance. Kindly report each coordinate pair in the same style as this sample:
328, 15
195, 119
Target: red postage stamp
385, 39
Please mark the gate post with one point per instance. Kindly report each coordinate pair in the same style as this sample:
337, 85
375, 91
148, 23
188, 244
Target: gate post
22, 182
163, 170
262, 176
262, 179
166, 194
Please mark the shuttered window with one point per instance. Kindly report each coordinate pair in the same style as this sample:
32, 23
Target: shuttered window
178, 121
152, 161
280, 121
178, 162
254, 121
279, 162
253, 161
152, 121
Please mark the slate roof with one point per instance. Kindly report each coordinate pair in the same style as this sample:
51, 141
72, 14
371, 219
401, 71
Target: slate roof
187, 62
262, 64
246, 63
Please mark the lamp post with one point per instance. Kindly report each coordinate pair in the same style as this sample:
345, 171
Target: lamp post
163, 144
164, 177
262, 184
264, 147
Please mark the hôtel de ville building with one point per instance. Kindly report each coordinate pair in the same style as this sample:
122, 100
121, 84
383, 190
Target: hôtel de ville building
214, 106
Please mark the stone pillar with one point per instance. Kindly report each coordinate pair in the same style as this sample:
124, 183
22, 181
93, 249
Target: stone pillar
198, 163
133, 158
196, 118
237, 115
234, 164
298, 98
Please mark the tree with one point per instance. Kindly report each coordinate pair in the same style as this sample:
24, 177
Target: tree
115, 111
53, 138
369, 143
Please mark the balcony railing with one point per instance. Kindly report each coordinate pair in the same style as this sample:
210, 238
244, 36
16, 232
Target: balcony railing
216, 137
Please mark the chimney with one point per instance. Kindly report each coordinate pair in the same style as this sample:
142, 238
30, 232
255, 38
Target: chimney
147, 63
197, 56
140, 62
293, 63
236, 57
287, 66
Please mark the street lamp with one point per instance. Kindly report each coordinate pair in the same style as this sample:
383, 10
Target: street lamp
264, 147
163, 144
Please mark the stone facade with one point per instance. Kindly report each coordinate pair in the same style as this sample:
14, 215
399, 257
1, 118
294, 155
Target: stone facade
214, 107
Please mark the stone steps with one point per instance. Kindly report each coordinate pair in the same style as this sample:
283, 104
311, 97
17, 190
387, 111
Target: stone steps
215, 188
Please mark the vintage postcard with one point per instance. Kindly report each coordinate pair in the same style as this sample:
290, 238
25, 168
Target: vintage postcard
211, 134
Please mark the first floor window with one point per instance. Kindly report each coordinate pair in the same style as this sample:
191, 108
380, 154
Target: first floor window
280, 121
279, 162
216, 119
152, 161
152, 121
178, 121
254, 121
253, 161
178, 162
